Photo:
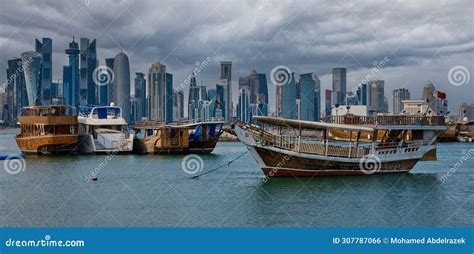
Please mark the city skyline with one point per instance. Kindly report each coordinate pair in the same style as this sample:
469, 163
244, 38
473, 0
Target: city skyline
277, 38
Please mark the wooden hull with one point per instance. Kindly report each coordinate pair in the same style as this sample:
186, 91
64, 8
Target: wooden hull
149, 146
49, 144
281, 164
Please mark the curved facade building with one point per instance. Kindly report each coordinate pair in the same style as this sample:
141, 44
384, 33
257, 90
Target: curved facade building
31, 62
121, 84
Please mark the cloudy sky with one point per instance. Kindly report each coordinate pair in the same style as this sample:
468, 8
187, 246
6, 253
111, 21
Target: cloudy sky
423, 40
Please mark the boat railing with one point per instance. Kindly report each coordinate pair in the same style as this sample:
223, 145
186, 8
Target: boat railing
333, 148
386, 120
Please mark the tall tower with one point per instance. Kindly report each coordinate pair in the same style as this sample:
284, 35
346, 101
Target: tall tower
31, 61
399, 95
226, 74
121, 96
140, 94
45, 49
339, 85
160, 87
88, 63
71, 75
307, 90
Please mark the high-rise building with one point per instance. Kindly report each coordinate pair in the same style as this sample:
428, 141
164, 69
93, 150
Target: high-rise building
317, 98
196, 94
328, 102
160, 87
286, 99
121, 84
31, 62
45, 49
435, 99
307, 89
178, 105
140, 94
399, 95
223, 103
362, 94
226, 74
87, 63
256, 88
211, 94
17, 96
339, 86
376, 96
109, 63
71, 75
243, 107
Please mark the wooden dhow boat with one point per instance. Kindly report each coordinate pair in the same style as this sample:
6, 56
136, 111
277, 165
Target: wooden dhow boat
287, 147
158, 138
48, 129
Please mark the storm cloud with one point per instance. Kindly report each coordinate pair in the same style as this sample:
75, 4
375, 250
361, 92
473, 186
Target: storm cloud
423, 40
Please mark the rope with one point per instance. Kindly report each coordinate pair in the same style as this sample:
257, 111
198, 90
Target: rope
221, 166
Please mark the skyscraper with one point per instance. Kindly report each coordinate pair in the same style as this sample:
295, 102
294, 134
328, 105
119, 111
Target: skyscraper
88, 63
196, 94
220, 105
178, 105
307, 89
121, 96
327, 103
17, 96
362, 94
339, 86
71, 75
226, 74
31, 62
45, 49
243, 113
160, 87
109, 62
376, 96
140, 94
286, 99
399, 95
256, 88
317, 98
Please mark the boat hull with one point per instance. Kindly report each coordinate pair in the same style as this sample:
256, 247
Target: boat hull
149, 146
274, 163
48, 144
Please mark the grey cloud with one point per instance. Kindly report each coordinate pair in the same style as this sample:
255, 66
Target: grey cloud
315, 36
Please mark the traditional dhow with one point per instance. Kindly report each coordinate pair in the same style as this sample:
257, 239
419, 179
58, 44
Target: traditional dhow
48, 129
286, 147
155, 137
102, 129
159, 138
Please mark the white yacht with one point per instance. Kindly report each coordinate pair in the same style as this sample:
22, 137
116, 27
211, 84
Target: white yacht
102, 129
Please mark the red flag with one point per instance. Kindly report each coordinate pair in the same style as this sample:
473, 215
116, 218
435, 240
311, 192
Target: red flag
441, 95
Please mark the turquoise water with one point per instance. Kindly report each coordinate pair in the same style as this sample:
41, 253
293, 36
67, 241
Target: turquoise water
154, 191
